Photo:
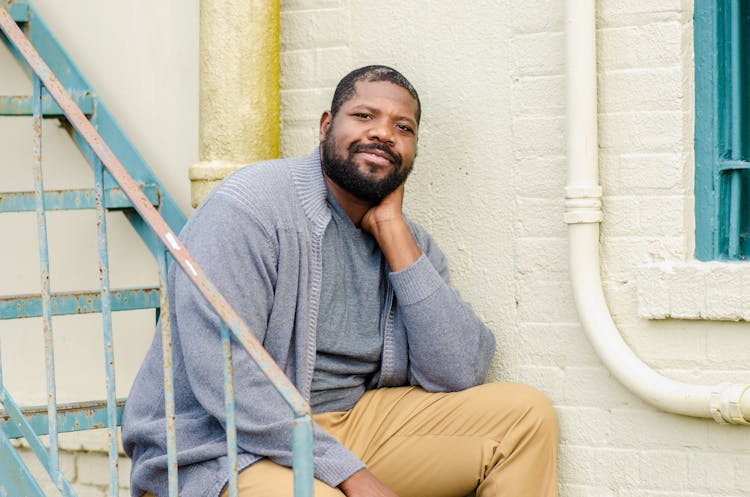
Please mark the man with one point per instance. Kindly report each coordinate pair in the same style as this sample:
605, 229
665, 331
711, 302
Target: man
352, 300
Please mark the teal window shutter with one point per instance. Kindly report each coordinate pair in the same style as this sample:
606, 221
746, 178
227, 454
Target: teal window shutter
722, 129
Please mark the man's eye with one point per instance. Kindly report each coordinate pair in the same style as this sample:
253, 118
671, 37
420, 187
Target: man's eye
405, 128
362, 115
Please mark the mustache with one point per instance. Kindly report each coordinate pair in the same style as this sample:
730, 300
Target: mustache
364, 147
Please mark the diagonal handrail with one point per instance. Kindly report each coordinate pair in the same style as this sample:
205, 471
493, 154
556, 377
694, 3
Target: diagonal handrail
302, 426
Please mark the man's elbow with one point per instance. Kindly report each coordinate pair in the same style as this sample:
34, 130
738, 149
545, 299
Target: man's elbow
454, 380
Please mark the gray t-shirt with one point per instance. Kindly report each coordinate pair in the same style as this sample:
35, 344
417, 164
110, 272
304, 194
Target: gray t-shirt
349, 339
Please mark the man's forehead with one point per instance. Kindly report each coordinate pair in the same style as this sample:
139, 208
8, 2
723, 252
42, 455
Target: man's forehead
374, 92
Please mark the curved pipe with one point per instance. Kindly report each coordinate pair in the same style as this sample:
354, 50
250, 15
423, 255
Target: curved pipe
725, 403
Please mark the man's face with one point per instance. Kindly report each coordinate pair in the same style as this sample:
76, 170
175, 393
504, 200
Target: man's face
369, 147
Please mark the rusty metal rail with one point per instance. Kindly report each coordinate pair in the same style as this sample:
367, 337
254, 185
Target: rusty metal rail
87, 302
114, 198
45, 85
90, 415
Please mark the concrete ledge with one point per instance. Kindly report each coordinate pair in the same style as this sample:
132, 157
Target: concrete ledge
694, 290
204, 176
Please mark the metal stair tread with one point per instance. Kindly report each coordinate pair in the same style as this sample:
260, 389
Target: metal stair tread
78, 302
21, 105
73, 199
72, 416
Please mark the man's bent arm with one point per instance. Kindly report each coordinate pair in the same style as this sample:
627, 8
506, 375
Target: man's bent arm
450, 348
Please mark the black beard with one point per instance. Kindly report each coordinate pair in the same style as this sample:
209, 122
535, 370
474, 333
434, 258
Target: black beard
344, 172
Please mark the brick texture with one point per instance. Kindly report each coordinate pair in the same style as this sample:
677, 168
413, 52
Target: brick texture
612, 443
87, 472
315, 53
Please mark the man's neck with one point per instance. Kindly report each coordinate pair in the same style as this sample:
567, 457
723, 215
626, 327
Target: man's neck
354, 207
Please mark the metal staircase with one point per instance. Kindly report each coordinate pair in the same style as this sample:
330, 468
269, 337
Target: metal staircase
122, 182
86, 99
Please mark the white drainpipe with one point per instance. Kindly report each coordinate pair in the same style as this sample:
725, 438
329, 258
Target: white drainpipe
725, 403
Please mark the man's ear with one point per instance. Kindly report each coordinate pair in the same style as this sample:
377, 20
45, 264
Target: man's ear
325, 123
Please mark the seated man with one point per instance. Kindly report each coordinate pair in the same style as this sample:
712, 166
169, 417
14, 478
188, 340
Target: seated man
352, 300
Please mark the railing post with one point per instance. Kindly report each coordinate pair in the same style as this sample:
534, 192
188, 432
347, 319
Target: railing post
106, 311
302, 462
166, 344
229, 405
49, 345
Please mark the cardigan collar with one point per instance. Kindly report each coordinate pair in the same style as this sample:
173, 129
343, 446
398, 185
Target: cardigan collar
307, 176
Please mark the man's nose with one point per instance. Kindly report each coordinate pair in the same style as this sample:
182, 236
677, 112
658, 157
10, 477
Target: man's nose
380, 131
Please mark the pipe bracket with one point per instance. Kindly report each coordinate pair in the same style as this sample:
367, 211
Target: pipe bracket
726, 404
583, 204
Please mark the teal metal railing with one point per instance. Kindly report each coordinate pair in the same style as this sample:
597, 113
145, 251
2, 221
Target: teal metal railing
122, 181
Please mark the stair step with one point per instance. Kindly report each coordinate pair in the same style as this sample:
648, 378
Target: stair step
56, 200
21, 105
86, 302
74, 416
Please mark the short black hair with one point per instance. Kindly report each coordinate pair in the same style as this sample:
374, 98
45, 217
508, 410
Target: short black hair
346, 87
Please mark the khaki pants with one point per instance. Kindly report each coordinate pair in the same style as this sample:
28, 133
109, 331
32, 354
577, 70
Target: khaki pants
498, 438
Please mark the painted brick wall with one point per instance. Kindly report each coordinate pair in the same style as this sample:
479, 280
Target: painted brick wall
315, 49
612, 443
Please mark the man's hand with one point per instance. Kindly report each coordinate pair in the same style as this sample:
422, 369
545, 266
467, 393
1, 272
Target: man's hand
386, 224
364, 484
388, 211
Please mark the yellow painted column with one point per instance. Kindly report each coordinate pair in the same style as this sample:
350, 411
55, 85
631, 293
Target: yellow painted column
239, 89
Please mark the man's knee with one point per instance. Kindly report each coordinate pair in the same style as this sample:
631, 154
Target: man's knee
521, 401
540, 409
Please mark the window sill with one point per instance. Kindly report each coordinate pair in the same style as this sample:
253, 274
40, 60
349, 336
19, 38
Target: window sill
694, 290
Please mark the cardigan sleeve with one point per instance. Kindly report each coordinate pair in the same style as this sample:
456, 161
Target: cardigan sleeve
450, 348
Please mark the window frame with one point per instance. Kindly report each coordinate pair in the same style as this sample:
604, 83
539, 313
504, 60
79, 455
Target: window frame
722, 136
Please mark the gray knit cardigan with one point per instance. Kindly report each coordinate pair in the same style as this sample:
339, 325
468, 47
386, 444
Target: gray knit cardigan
258, 237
